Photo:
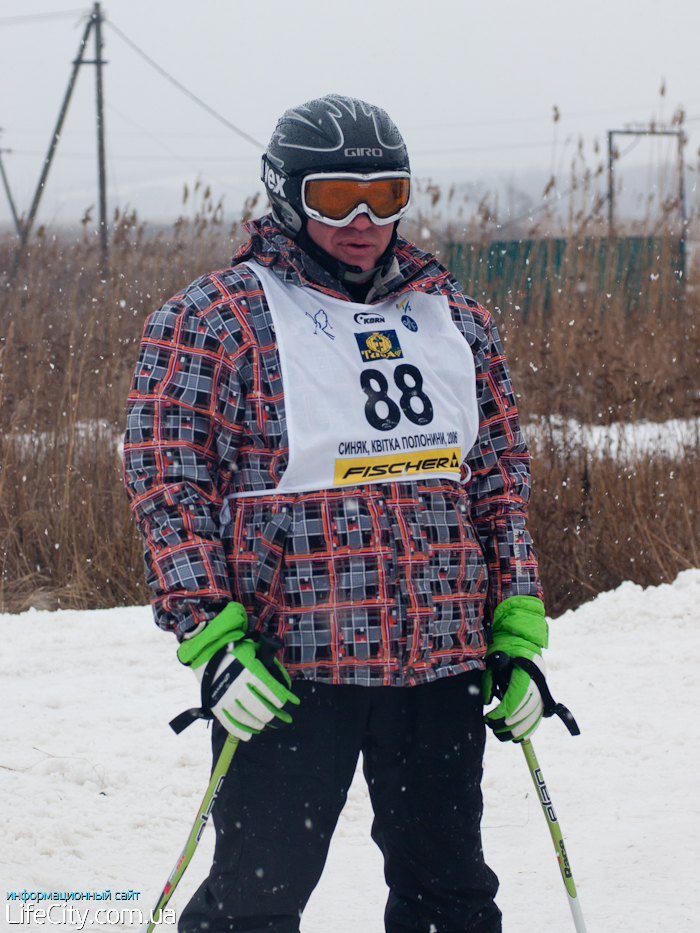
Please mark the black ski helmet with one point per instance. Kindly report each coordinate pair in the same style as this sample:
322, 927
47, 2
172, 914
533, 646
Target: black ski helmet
329, 134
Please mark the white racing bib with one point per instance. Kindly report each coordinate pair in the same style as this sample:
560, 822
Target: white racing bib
372, 393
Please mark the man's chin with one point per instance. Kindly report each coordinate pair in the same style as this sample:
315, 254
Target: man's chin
363, 258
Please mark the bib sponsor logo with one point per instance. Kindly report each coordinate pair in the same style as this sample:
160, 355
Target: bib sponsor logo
352, 152
404, 306
404, 466
321, 322
379, 345
275, 182
369, 317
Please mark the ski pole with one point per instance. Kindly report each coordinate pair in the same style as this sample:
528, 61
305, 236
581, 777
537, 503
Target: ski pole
217, 779
555, 832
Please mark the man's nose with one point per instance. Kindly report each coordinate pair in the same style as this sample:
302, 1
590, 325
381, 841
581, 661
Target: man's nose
361, 222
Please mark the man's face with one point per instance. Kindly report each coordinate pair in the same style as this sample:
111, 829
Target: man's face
361, 243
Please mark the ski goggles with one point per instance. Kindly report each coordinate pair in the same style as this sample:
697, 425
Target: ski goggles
336, 198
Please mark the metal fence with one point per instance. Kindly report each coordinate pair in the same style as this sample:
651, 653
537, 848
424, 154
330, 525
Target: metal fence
510, 273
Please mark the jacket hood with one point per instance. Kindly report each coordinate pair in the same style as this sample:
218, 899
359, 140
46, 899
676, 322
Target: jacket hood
270, 247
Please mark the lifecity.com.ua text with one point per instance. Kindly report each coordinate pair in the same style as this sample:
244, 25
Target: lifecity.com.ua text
67, 914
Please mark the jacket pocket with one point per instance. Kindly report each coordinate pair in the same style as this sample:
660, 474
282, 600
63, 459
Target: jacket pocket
269, 549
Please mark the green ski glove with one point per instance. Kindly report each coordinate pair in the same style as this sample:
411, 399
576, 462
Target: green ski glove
243, 684
230, 625
519, 630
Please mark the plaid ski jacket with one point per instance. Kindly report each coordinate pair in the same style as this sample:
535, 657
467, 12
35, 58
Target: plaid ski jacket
386, 584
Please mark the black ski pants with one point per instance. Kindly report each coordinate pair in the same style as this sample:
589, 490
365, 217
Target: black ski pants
422, 749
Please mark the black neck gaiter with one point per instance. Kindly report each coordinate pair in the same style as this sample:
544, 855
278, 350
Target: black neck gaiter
355, 282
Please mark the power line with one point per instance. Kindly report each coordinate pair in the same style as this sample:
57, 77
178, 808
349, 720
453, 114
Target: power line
507, 121
499, 147
177, 156
116, 134
34, 17
140, 158
536, 210
539, 145
182, 88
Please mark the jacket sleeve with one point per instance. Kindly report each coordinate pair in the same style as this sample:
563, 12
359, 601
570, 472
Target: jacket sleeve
185, 412
499, 489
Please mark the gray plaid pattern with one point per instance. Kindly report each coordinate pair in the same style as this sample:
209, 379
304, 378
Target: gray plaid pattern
371, 585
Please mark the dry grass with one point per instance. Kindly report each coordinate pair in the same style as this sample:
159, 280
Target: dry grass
69, 341
70, 333
600, 520
591, 358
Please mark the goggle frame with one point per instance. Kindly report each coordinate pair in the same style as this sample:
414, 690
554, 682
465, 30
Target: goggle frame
361, 208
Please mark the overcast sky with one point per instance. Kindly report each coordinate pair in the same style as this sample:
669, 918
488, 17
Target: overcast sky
472, 86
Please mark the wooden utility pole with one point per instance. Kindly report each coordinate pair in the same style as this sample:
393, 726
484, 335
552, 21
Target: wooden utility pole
99, 101
94, 22
611, 184
27, 225
9, 193
651, 131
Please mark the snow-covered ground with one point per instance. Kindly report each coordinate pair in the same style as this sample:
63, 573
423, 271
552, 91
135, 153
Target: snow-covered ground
622, 440
97, 793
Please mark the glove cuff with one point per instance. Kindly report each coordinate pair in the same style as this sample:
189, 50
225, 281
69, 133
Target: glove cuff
230, 625
521, 617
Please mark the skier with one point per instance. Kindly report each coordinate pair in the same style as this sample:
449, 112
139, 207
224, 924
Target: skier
324, 457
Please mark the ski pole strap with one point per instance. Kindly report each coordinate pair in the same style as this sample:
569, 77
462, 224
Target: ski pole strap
551, 707
268, 646
183, 720
502, 664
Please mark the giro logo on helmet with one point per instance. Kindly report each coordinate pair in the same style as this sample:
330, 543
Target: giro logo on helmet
377, 153
274, 182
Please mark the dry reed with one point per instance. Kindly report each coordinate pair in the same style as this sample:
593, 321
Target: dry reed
70, 332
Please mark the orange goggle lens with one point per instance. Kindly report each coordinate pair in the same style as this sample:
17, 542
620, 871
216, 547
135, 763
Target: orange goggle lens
335, 198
